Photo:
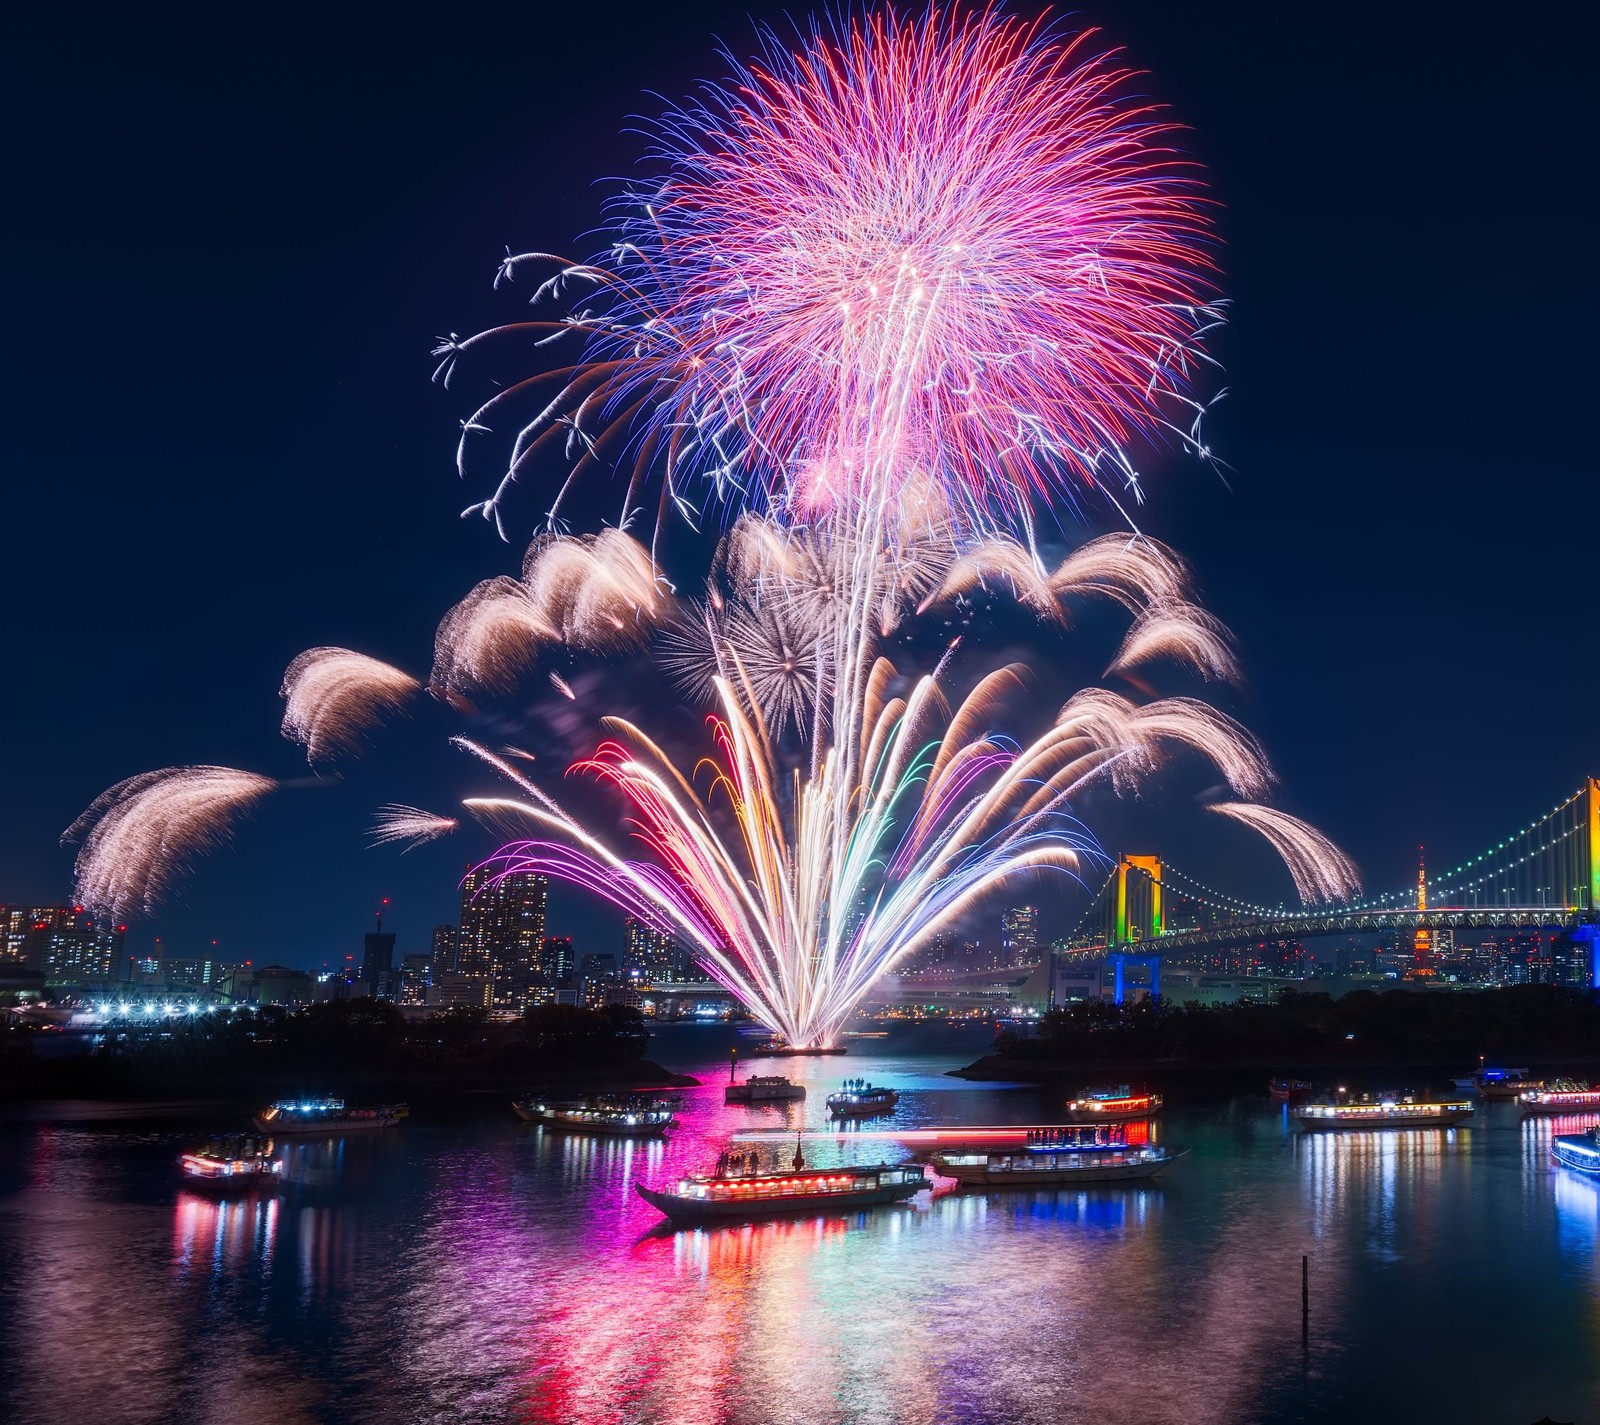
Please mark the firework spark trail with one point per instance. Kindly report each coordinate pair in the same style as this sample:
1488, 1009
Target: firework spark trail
137, 838
941, 820
333, 697
1321, 871
412, 825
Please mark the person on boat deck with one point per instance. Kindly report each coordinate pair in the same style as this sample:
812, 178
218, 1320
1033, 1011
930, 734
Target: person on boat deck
722, 1164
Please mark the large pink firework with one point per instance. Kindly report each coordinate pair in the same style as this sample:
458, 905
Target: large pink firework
956, 245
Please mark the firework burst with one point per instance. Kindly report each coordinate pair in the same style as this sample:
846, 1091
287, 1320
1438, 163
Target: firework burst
953, 247
333, 697
137, 838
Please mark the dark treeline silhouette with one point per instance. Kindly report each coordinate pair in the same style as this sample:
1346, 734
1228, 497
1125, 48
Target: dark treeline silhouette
1537, 1022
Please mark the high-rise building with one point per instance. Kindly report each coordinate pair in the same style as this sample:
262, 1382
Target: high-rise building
25, 931
377, 962
502, 938
1019, 937
85, 951
650, 956
597, 979
188, 973
556, 964
443, 946
416, 974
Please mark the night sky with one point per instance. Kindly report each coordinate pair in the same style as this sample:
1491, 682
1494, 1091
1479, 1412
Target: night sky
233, 236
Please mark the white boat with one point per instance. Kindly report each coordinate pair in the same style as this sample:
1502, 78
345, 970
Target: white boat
1058, 1158
326, 1115
1399, 1111
763, 1088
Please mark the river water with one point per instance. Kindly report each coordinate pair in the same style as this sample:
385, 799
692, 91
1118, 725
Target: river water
489, 1271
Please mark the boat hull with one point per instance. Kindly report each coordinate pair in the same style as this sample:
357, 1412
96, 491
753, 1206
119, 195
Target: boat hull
1578, 1152
1452, 1119
737, 1093
1023, 1178
692, 1210
1561, 1110
788, 1051
609, 1128
279, 1128
1088, 1116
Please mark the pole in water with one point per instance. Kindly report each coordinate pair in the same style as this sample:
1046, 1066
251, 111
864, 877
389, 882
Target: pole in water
733, 1061
1305, 1297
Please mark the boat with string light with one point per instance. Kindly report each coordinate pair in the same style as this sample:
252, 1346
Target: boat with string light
233, 1160
1578, 1151
326, 1115
1381, 1111
725, 1196
625, 1115
780, 1049
763, 1088
1560, 1096
1115, 1105
1057, 1157
857, 1098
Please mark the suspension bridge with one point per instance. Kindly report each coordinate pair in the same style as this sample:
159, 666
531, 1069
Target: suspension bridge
1544, 875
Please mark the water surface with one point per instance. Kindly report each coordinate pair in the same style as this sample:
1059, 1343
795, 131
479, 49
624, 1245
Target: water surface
491, 1271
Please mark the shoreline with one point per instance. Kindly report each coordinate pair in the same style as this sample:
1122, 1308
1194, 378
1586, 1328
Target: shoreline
431, 1095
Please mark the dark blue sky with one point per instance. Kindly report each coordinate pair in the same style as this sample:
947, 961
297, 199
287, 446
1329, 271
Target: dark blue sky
232, 238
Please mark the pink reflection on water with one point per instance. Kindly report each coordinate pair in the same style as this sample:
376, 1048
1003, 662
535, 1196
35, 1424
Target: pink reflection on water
216, 1235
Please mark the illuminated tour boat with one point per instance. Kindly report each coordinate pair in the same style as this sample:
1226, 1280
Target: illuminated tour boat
1115, 1105
857, 1098
1397, 1111
763, 1088
1501, 1083
630, 1115
1578, 1151
777, 1049
233, 1160
729, 1195
1562, 1096
326, 1115
1057, 1157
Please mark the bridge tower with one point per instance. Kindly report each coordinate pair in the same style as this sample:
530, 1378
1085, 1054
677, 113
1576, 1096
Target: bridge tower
1593, 844
1146, 896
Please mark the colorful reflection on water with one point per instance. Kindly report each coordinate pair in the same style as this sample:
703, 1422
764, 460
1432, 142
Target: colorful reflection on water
497, 1271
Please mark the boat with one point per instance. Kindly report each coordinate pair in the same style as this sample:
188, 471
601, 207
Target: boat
857, 1098
1561, 1096
631, 1115
1057, 1157
763, 1088
1115, 1105
1290, 1090
724, 1197
1396, 1111
777, 1049
326, 1115
1578, 1151
1501, 1083
233, 1160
